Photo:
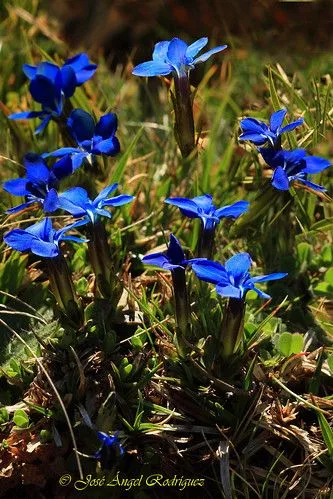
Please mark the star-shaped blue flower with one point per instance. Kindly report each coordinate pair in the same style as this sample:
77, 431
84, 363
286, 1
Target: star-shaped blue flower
173, 258
202, 207
293, 165
50, 84
40, 183
92, 139
259, 133
77, 202
111, 446
175, 57
41, 238
233, 279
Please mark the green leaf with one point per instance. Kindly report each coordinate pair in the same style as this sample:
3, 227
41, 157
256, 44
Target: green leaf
327, 433
118, 173
289, 344
21, 418
4, 416
330, 362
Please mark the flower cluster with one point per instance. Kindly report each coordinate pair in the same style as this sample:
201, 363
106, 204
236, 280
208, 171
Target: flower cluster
288, 166
52, 86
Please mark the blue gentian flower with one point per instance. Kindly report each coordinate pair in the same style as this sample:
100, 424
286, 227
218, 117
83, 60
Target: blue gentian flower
259, 133
77, 202
40, 183
202, 207
49, 84
46, 89
233, 279
92, 139
110, 448
175, 57
293, 165
173, 258
41, 238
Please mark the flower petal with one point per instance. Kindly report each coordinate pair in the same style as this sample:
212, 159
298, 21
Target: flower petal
210, 271
20, 207
29, 71
233, 210
195, 47
18, 239
207, 55
105, 193
157, 259
188, 206
175, 253
118, 200
205, 202
106, 126
177, 52
261, 293
238, 265
27, 115
276, 119
160, 51
152, 68
41, 230
81, 125
43, 124
16, 186
51, 202
292, 126
63, 167
229, 291
36, 168
68, 81
44, 249
110, 147
313, 186
269, 277
82, 67
252, 125
315, 164
280, 179
75, 201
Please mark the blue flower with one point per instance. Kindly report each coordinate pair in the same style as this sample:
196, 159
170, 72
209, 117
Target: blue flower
259, 133
233, 279
293, 165
109, 449
49, 84
92, 139
202, 207
77, 202
39, 185
173, 258
175, 57
41, 238
46, 89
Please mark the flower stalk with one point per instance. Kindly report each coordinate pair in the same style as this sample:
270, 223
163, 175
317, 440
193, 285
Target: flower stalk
184, 120
206, 241
232, 327
101, 261
182, 306
62, 287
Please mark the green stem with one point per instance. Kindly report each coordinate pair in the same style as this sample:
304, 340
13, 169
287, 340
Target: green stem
184, 121
232, 327
100, 260
62, 287
182, 306
206, 242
